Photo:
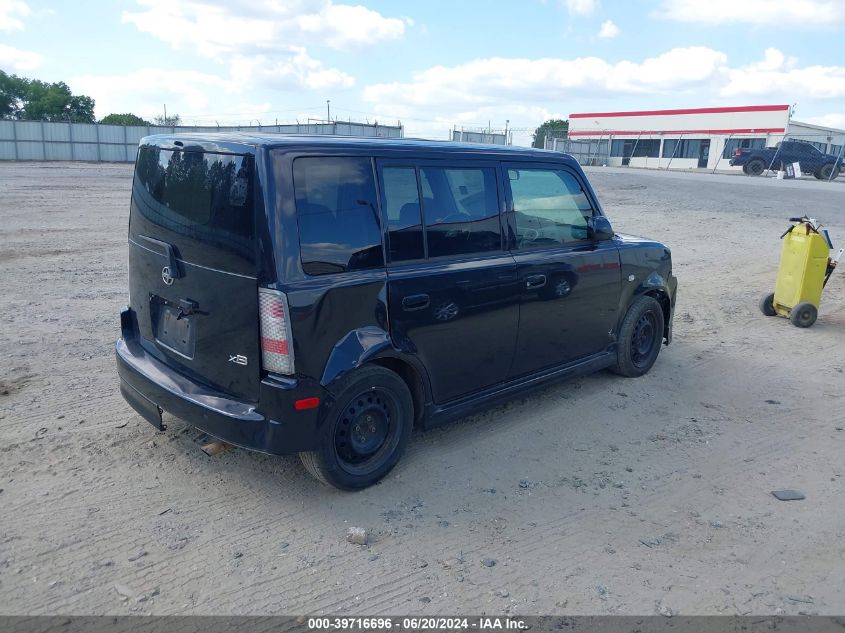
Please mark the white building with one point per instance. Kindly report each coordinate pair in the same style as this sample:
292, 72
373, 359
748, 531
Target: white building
697, 138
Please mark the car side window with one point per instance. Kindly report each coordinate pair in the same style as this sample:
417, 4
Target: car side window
550, 207
337, 213
462, 211
404, 215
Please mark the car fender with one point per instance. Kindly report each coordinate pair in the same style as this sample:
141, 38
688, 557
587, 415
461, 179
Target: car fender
361, 346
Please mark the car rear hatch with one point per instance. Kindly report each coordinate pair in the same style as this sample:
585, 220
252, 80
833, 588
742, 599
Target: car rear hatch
192, 264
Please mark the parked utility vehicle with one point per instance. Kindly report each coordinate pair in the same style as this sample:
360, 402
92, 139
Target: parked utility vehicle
322, 295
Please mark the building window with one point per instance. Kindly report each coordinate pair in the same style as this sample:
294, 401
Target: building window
733, 144
643, 147
646, 148
683, 148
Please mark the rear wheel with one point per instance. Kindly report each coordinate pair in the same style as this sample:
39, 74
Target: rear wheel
640, 337
755, 167
828, 172
767, 305
366, 430
803, 315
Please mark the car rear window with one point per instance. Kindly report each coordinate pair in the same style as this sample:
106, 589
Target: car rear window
337, 211
199, 202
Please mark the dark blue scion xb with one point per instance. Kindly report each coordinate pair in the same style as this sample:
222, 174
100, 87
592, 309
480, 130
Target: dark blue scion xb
323, 295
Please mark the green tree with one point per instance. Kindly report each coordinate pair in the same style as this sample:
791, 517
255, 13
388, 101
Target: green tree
557, 128
123, 119
34, 100
173, 119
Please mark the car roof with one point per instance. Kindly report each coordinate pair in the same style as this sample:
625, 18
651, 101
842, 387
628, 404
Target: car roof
241, 141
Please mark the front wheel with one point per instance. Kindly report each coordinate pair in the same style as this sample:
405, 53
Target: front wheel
640, 337
365, 432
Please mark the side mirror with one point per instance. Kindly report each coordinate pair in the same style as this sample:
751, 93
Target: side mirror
598, 228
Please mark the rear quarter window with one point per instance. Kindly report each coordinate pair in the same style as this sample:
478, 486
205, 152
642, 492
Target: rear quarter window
337, 213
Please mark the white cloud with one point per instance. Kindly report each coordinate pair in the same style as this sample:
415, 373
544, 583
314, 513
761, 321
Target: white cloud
204, 94
780, 76
520, 80
143, 91
217, 28
786, 13
608, 30
834, 119
294, 71
581, 7
344, 26
18, 60
11, 14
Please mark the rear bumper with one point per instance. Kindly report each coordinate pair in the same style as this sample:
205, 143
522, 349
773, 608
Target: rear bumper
151, 386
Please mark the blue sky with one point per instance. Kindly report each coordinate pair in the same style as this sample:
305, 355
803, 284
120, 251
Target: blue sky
434, 64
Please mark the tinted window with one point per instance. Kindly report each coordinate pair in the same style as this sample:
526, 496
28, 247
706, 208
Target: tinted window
683, 148
550, 207
461, 210
198, 201
732, 144
337, 214
402, 207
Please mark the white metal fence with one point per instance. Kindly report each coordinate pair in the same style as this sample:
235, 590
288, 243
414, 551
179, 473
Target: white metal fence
44, 140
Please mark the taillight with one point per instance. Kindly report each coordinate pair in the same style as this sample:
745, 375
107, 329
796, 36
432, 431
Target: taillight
738, 152
276, 340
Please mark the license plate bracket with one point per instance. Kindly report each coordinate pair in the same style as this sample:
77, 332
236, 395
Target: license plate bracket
175, 331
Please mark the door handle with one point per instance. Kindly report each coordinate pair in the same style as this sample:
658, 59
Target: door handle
532, 282
415, 302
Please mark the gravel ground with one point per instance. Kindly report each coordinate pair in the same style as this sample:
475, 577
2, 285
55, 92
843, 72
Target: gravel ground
600, 496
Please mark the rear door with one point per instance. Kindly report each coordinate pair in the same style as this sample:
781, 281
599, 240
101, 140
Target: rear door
569, 283
453, 298
192, 265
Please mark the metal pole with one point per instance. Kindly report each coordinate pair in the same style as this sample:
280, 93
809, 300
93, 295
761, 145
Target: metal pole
15, 137
838, 162
328, 110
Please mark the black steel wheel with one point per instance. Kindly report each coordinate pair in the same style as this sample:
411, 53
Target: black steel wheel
803, 315
767, 305
365, 432
640, 337
755, 167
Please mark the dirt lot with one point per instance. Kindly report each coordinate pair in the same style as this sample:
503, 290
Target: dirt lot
604, 495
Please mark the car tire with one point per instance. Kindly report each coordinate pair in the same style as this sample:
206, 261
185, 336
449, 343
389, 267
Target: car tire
755, 167
640, 337
828, 172
803, 315
767, 305
365, 432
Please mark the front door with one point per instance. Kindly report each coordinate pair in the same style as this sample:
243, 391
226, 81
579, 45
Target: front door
569, 282
703, 153
452, 293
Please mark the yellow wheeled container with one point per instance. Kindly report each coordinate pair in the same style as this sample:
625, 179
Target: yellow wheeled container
805, 266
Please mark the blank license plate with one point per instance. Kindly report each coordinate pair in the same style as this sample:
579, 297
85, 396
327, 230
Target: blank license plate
174, 333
